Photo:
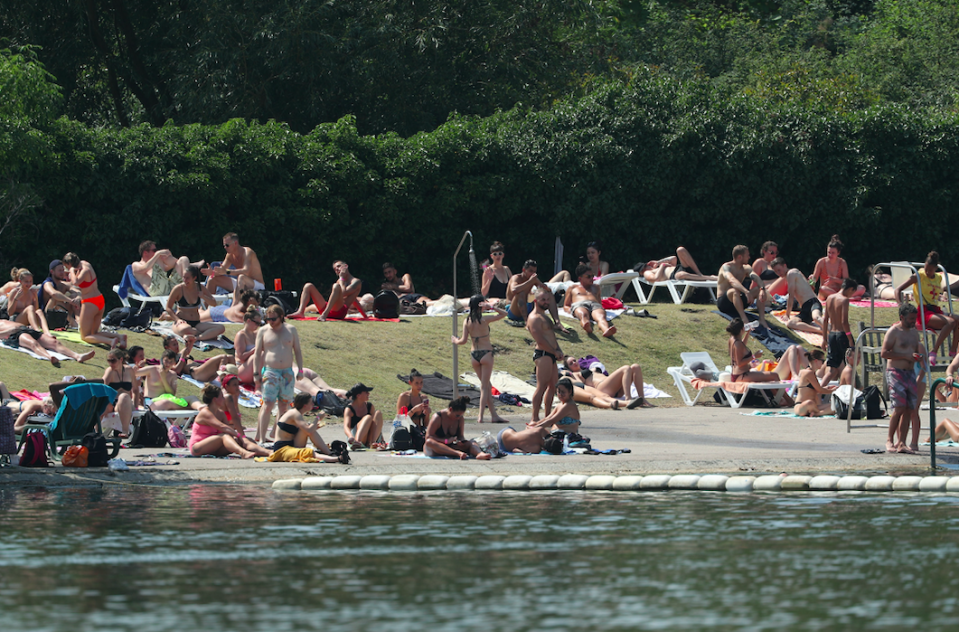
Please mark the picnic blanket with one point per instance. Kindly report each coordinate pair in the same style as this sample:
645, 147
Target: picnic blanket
438, 385
813, 339
783, 413
876, 303
772, 337
504, 383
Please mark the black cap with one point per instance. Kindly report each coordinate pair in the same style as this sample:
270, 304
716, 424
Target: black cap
358, 388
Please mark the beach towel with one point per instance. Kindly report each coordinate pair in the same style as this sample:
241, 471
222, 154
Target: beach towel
813, 339
438, 385
503, 382
71, 336
610, 313
877, 304
25, 396
352, 318
772, 337
288, 454
649, 392
782, 413
129, 283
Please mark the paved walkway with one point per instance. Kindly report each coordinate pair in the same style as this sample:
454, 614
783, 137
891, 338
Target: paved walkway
699, 440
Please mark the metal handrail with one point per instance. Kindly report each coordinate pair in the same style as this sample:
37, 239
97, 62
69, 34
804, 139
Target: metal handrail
913, 267
456, 363
932, 417
857, 350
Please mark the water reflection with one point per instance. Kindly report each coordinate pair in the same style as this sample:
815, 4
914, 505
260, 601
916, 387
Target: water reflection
246, 558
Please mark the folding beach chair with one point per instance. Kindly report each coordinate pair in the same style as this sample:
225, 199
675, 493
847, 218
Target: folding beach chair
79, 414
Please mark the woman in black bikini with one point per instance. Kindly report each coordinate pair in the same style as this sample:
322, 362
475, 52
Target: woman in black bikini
184, 304
362, 423
416, 404
121, 378
811, 391
293, 431
444, 434
742, 359
476, 327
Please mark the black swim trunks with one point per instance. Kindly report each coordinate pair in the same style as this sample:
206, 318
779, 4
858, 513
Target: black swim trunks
838, 343
805, 312
727, 307
679, 268
539, 353
13, 339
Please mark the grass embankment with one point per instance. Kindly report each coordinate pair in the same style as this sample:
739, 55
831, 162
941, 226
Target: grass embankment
374, 353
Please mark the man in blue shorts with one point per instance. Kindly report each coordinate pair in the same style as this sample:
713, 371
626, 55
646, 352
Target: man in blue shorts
277, 346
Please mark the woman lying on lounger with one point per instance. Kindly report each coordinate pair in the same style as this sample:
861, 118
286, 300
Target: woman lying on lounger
681, 267
742, 359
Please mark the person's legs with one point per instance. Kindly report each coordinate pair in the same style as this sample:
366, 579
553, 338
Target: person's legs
263, 421
560, 277
737, 300
941, 323
27, 342
220, 445
124, 408
946, 427
582, 396
90, 316
209, 331
554, 312
599, 315
894, 419
336, 298
806, 409
545, 385
583, 315
789, 364
51, 343
206, 372
484, 368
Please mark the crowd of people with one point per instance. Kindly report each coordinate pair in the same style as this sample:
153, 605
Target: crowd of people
268, 356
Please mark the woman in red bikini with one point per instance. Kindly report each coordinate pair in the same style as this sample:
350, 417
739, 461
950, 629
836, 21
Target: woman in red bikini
91, 303
831, 271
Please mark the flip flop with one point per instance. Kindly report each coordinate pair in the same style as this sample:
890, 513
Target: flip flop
873, 451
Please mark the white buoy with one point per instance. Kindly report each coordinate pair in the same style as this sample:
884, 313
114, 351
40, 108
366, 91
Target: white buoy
375, 481
627, 483
490, 481
600, 482
287, 484
684, 481
432, 482
740, 484
852, 483
824, 483
655, 481
571, 481
316, 482
517, 482
544, 481
880, 483
795, 483
769, 483
346, 482
458, 483
404, 483
906, 484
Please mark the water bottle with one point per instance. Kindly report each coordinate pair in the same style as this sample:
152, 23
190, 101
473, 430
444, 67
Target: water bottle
566, 443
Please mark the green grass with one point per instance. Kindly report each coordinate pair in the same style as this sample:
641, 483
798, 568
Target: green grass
374, 353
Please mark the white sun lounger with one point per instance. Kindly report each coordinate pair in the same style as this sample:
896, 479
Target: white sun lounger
673, 287
607, 284
682, 375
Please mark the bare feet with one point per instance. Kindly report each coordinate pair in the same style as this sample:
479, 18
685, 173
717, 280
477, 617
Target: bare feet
246, 454
499, 420
588, 328
483, 456
113, 345
54, 362
86, 356
610, 332
558, 326
891, 447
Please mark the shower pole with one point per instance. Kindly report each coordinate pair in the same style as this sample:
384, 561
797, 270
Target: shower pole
456, 362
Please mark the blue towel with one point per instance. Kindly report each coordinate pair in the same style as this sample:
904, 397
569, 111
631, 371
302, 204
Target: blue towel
129, 282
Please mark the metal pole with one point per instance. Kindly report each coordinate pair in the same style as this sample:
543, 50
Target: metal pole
456, 363
932, 420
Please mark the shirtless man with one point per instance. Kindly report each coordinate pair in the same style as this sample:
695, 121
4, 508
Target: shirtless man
277, 349
56, 295
344, 295
763, 267
547, 352
239, 271
402, 286
734, 298
154, 264
160, 385
38, 342
901, 349
798, 290
583, 304
837, 332
518, 293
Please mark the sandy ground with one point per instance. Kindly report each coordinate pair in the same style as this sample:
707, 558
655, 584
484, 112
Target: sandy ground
698, 440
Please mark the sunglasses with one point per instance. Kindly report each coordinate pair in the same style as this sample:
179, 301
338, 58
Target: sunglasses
112, 360
271, 318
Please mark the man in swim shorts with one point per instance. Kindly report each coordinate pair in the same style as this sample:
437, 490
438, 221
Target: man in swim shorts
835, 325
518, 291
733, 297
547, 351
799, 291
345, 294
277, 348
584, 304
239, 271
901, 348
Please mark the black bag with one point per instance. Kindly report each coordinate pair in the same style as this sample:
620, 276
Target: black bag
386, 305
332, 404
842, 409
401, 439
554, 442
149, 431
283, 298
871, 397
418, 437
96, 445
56, 319
134, 320
338, 447
115, 315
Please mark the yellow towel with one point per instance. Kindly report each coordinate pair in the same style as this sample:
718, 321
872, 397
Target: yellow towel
286, 454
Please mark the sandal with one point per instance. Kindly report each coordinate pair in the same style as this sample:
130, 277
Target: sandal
615, 404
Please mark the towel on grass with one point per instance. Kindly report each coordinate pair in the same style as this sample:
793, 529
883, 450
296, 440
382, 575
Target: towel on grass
866, 303
610, 313
649, 392
943, 444
352, 318
438, 385
733, 387
71, 336
503, 382
813, 339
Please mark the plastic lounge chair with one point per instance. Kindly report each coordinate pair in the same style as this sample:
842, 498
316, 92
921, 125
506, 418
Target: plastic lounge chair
607, 283
736, 400
672, 287
79, 414
130, 288
683, 375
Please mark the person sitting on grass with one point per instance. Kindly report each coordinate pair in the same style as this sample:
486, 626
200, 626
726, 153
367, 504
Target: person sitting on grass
810, 391
23, 305
564, 417
583, 303
362, 423
444, 434
293, 431
211, 434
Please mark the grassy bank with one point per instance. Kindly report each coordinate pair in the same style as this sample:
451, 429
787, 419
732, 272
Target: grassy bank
374, 353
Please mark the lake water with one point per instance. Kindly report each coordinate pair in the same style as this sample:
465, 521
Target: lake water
247, 558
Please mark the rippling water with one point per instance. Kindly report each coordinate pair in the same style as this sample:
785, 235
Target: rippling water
247, 558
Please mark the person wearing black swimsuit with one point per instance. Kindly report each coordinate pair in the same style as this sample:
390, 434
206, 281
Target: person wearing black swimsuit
416, 404
809, 394
742, 359
476, 327
496, 276
123, 380
293, 431
444, 434
362, 423
183, 306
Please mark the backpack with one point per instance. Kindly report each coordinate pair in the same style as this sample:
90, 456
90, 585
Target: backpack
35, 451
386, 305
411, 308
418, 437
56, 319
401, 440
133, 320
332, 404
871, 397
842, 409
115, 315
175, 436
283, 298
96, 444
8, 439
149, 431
